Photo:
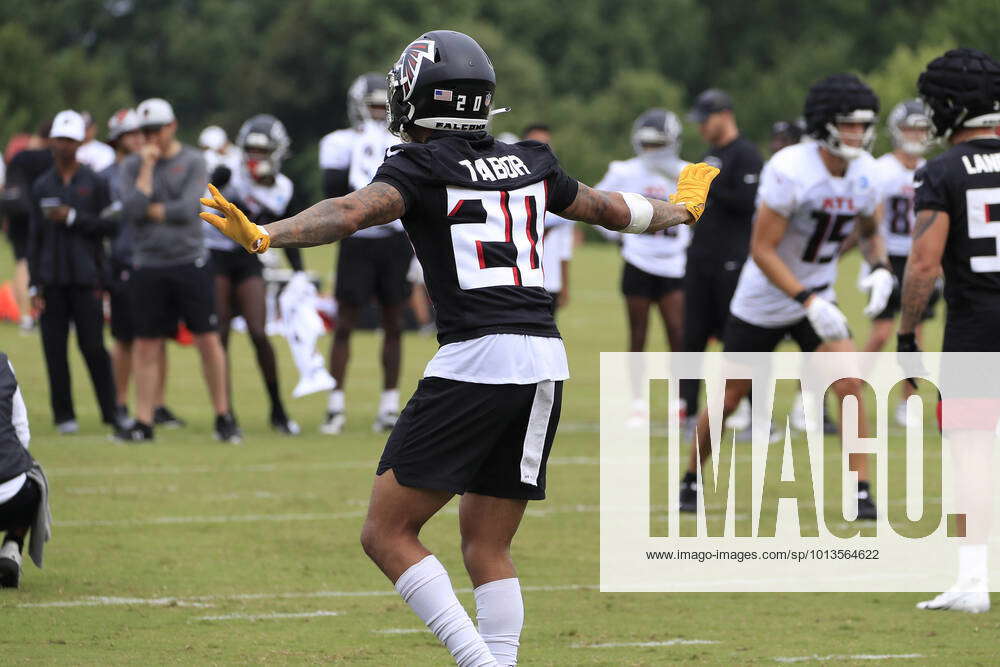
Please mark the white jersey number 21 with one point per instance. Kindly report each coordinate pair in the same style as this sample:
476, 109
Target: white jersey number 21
504, 244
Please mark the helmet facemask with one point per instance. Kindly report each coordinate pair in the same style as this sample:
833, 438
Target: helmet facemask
835, 142
656, 139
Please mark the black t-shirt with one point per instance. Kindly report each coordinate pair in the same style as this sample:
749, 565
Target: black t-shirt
22, 172
723, 232
964, 182
475, 212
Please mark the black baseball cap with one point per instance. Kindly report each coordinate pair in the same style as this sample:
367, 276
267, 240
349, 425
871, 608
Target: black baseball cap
710, 101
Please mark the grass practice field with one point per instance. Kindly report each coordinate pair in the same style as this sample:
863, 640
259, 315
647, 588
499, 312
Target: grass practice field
188, 551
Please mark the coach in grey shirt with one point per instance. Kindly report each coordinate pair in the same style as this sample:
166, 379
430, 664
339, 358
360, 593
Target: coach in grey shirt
161, 186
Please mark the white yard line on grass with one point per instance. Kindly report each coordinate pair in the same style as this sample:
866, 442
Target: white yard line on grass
400, 631
666, 642
191, 601
225, 518
268, 617
856, 656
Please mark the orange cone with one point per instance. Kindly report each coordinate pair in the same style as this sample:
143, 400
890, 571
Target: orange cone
8, 305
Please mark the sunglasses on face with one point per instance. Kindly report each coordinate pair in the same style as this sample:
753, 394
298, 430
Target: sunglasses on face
151, 129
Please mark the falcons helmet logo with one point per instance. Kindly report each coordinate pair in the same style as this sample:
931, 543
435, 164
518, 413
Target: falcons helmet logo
410, 61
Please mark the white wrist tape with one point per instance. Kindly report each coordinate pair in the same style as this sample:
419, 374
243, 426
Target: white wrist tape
642, 213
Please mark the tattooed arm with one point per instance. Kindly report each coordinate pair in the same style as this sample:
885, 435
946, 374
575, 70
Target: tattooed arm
922, 268
870, 241
333, 219
608, 209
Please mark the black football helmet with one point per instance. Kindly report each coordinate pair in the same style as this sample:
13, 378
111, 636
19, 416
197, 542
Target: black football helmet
911, 114
264, 143
368, 90
443, 80
841, 98
962, 89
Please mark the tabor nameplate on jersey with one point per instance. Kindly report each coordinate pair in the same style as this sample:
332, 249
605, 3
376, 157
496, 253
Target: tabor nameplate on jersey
495, 168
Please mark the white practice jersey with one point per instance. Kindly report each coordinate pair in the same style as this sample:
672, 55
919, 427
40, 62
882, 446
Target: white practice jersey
360, 151
821, 209
254, 199
896, 187
96, 154
231, 157
556, 249
665, 252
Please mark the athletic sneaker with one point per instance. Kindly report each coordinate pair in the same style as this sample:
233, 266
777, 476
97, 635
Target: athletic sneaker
334, 423
385, 422
284, 425
122, 418
10, 565
866, 507
136, 433
68, 427
163, 416
973, 599
689, 496
227, 430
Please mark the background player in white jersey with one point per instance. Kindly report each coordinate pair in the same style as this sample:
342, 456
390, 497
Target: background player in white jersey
653, 271
654, 264
372, 263
484, 416
810, 196
909, 126
264, 193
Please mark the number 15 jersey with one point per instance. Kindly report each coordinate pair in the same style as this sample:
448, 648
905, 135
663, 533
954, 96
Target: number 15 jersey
820, 209
475, 211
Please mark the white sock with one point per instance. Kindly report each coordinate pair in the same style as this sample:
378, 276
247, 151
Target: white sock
389, 401
500, 615
972, 563
336, 402
425, 586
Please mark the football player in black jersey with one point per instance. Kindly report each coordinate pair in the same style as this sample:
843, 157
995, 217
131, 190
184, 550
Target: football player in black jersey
958, 230
483, 418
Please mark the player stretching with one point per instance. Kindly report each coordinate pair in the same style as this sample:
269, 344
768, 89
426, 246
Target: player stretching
910, 127
483, 418
809, 198
958, 230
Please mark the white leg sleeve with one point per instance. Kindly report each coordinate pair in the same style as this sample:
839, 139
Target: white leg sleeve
500, 614
425, 586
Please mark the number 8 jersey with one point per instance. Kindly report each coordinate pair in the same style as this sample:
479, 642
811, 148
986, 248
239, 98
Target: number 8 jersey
475, 211
820, 209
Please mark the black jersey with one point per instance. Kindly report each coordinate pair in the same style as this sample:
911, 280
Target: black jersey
964, 182
475, 212
723, 232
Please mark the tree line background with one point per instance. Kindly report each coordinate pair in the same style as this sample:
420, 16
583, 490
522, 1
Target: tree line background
586, 68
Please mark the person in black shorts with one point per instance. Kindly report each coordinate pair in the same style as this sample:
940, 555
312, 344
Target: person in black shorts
957, 204
483, 419
259, 187
172, 280
125, 137
372, 264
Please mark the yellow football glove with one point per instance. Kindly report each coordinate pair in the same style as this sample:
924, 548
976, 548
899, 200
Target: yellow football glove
692, 188
234, 224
